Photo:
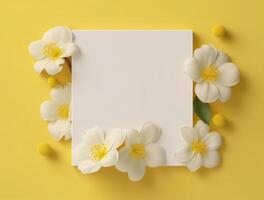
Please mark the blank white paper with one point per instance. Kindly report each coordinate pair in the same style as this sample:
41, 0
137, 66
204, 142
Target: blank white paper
122, 79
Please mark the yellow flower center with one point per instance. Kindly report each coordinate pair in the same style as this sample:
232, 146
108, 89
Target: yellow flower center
210, 73
52, 50
98, 151
63, 112
138, 150
199, 147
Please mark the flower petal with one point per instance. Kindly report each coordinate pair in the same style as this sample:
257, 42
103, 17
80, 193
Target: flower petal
228, 74
88, 167
133, 137
69, 49
156, 155
211, 159
184, 154
189, 135
59, 34
206, 92
115, 138
36, 49
206, 55
123, 160
202, 129
49, 110
40, 65
82, 152
94, 136
136, 170
60, 128
195, 163
213, 141
53, 68
110, 158
221, 59
61, 94
149, 133
193, 69
224, 93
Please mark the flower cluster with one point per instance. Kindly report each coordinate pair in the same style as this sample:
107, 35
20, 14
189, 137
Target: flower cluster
50, 53
214, 75
138, 150
131, 151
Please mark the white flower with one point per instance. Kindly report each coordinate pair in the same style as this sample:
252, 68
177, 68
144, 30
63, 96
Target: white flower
57, 112
141, 150
98, 150
51, 50
213, 74
201, 148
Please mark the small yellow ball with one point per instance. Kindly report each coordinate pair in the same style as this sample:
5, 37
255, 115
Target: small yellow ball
219, 120
45, 149
52, 81
219, 31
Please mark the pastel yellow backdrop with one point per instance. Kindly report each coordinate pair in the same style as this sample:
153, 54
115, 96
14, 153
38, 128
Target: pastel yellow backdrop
24, 174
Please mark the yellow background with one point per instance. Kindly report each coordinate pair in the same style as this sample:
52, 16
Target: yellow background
24, 174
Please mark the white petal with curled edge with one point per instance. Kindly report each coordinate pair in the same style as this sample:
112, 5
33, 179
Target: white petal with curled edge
184, 154
110, 158
36, 49
189, 135
123, 160
213, 141
88, 166
205, 55
221, 59
60, 128
224, 93
193, 70
59, 34
60, 61
195, 163
61, 94
155, 155
94, 136
136, 170
133, 137
40, 65
49, 110
149, 133
82, 152
202, 129
211, 159
53, 68
69, 49
228, 75
115, 138
206, 92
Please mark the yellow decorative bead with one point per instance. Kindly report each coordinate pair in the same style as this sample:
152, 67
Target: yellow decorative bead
219, 31
45, 149
219, 120
52, 81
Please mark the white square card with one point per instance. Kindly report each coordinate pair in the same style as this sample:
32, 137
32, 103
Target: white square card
122, 79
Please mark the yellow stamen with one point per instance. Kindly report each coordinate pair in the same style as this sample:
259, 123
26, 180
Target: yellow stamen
199, 147
63, 111
138, 150
210, 73
98, 151
52, 50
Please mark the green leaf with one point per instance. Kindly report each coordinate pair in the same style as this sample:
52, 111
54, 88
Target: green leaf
202, 110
